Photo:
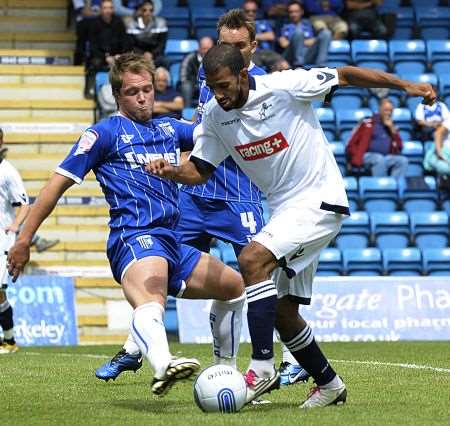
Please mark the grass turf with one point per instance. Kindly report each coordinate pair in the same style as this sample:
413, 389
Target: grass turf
57, 386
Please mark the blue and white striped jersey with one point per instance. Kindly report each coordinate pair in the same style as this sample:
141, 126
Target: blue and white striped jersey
117, 149
228, 182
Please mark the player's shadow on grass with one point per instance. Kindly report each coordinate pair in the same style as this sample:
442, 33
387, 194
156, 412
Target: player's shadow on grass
150, 405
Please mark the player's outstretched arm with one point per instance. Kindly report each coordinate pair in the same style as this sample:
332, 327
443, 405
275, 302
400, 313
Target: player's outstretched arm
366, 77
187, 173
19, 254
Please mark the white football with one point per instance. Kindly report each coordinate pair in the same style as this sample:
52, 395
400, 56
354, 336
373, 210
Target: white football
220, 389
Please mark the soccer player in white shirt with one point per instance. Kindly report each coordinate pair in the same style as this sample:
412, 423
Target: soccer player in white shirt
14, 208
268, 126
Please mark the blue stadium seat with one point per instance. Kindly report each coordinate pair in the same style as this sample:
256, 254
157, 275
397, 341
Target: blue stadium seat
390, 230
339, 101
176, 50
403, 120
201, 15
436, 261
351, 186
174, 73
347, 119
421, 78
409, 67
404, 23
432, 17
412, 102
326, 117
188, 113
228, 256
330, 262
206, 31
438, 51
430, 230
414, 151
355, 232
176, 16
216, 252
339, 50
402, 262
434, 33
178, 32
362, 261
441, 67
338, 149
407, 50
101, 78
444, 84
378, 194
419, 198
369, 50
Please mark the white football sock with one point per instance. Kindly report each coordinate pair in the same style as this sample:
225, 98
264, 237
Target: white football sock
150, 335
287, 356
334, 384
262, 367
225, 319
130, 345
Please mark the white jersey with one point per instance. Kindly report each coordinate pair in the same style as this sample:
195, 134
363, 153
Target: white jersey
276, 138
446, 141
12, 193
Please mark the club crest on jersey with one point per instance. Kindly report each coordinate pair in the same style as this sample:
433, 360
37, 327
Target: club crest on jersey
126, 138
86, 141
167, 128
263, 111
145, 241
262, 148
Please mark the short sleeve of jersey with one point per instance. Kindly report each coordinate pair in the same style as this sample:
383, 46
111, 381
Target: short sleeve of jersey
207, 145
185, 133
305, 85
419, 112
90, 150
446, 124
17, 193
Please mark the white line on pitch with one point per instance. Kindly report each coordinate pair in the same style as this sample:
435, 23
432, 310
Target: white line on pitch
345, 361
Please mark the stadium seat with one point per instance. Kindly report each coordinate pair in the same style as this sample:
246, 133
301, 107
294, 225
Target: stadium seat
176, 16
378, 194
411, 103
176, 50
330, 262
390, 230
101, 78
339, 154
351, 186
174, 73
403, 120
402, 262
355, 232
369, 50
404, 23
228, 256
204, 16
178, 32
438, 52
409, 67
407, 50
339, 102
347, 119
326, 117
434, 33
206, 31
188, 113
339, 50
418, 196
436, 261
362, 261
414, 151
444, 84
216, 252
421, 78
430, 230
432, 17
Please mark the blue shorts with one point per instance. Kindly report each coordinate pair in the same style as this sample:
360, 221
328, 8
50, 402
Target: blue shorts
204, 218
127, 246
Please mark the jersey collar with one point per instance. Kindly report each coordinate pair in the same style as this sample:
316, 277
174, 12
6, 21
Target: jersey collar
251, 82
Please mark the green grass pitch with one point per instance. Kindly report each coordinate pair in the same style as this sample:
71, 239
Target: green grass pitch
397, 383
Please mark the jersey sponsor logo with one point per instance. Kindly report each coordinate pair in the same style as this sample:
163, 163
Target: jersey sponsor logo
126, 138
137, 159
86, 141
227, 123
299, 253
167, 128
262, 148
324, 77
263, 112
145, 241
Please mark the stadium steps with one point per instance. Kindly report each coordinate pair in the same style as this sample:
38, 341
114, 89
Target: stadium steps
45, 8
35, 24
41, 91
40, 143
50, 74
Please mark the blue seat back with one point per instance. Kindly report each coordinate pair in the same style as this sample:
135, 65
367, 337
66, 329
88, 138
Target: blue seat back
403, 262
362, 261
436, 261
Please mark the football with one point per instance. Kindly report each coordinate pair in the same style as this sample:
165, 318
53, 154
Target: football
220, 389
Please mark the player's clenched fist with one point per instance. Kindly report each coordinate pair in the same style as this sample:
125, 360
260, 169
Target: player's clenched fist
161, 167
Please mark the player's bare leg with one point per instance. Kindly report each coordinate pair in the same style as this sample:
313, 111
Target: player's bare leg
298, 337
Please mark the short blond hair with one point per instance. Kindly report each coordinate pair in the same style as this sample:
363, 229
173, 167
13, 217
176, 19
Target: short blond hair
128, 62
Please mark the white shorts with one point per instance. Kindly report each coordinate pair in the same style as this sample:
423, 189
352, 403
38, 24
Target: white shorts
296, 235
6, 242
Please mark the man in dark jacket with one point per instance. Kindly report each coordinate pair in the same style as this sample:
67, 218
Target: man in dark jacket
107, 40
376, 144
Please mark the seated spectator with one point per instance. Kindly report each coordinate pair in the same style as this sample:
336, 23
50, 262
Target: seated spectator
376, 144
85, 11
275, 8
429, 117
108, 39
324, 14
362, 17
300, 43
149, 33
189, 71
437, 158
168, 102
265, 57
127, 8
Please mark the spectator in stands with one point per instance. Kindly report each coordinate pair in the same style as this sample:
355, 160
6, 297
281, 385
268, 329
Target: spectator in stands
275, 8
300, 44
437, 158
108, 39
149, 33
189, 71
264, 56
127, 8
85, 11
362, 17
324, 14
168, 102
376, 144
429, 117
